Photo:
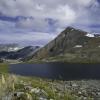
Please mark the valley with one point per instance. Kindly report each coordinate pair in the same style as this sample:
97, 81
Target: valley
71, 45
12, 53
34, 75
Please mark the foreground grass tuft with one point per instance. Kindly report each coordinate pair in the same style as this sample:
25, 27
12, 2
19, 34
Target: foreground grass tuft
23, 88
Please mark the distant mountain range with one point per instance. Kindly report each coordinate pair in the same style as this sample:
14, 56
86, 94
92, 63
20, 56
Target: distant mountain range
9, 47
14, 52
72, 45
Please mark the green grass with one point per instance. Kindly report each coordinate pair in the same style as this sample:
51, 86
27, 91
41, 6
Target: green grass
13, 83
46, 85
80, 57
3, 68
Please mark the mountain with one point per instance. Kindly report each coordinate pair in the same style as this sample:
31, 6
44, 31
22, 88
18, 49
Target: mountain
23, 53
19, 54
71, 45
9, 47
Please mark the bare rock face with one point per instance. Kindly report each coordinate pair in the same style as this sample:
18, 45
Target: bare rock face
70, 40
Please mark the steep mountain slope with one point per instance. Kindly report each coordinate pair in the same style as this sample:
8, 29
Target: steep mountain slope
72, 45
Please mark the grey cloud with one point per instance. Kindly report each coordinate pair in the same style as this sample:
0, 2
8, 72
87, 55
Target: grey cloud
79, 13
37, 38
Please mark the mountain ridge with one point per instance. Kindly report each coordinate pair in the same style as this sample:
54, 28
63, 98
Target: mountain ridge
72, 42
20, 54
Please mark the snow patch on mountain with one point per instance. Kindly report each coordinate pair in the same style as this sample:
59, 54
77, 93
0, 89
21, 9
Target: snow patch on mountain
90, 35
14, 49
78, 46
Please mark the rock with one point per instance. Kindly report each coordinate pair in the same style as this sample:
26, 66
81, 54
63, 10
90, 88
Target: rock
98, 93
18, 94
74, 85
35, 90
79, 93
28, 88
41, 98
84, 98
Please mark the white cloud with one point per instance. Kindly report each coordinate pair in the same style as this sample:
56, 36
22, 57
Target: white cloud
6, 27
63, 12
37, 9
85, 2
37, 38
37, 24
40, 8
24, 23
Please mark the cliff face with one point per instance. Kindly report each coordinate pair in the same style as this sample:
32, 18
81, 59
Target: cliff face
69, 41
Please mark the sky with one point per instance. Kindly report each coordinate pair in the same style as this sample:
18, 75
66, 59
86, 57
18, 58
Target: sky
37, 22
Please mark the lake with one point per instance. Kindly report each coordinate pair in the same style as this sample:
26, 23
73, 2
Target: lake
59, 71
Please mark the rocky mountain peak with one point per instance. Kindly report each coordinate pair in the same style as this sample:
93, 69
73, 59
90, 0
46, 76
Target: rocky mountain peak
72, 32
70, 28
71, 41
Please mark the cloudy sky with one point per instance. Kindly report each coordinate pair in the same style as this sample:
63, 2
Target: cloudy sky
36, 22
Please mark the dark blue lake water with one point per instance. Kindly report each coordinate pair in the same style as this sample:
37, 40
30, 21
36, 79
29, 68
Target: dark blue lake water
62, 71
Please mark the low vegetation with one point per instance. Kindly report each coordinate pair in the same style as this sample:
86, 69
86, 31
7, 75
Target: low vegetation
14, 87
3, 68
23, 88
71, 57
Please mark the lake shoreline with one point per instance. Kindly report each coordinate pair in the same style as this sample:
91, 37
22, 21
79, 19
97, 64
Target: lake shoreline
84, 89
60, 71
